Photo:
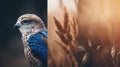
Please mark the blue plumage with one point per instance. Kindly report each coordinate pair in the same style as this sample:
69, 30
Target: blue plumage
39, 46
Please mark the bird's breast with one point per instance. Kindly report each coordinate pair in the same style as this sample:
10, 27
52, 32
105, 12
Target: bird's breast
34, 62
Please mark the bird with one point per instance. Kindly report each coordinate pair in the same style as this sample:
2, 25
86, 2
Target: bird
34, 36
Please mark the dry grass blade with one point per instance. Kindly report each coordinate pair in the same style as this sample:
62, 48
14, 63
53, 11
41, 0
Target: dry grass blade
68, 37
74, 26
68, 28
62, 37
66, 20
63, 46
58, 25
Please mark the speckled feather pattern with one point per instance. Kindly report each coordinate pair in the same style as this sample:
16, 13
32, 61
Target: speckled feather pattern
35, 49
34, 36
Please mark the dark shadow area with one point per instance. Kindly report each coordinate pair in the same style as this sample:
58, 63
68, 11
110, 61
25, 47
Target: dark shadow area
11, 47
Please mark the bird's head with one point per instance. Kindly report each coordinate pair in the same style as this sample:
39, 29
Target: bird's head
29, 24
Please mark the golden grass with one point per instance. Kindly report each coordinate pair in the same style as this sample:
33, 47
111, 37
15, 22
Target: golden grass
68, 35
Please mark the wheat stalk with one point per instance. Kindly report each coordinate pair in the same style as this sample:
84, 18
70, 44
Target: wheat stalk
69, 40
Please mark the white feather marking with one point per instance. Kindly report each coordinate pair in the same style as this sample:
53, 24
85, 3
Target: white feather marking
98, 47
81, 49
85, 58
113, 52
89, 43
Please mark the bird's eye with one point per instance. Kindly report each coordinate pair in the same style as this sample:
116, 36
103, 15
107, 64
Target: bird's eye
26, 21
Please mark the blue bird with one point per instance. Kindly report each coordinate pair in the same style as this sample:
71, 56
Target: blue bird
34, 36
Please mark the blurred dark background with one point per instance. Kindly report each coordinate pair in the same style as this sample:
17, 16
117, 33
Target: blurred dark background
11, 47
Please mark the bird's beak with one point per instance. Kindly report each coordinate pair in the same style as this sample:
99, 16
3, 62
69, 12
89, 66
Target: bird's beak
17, 25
